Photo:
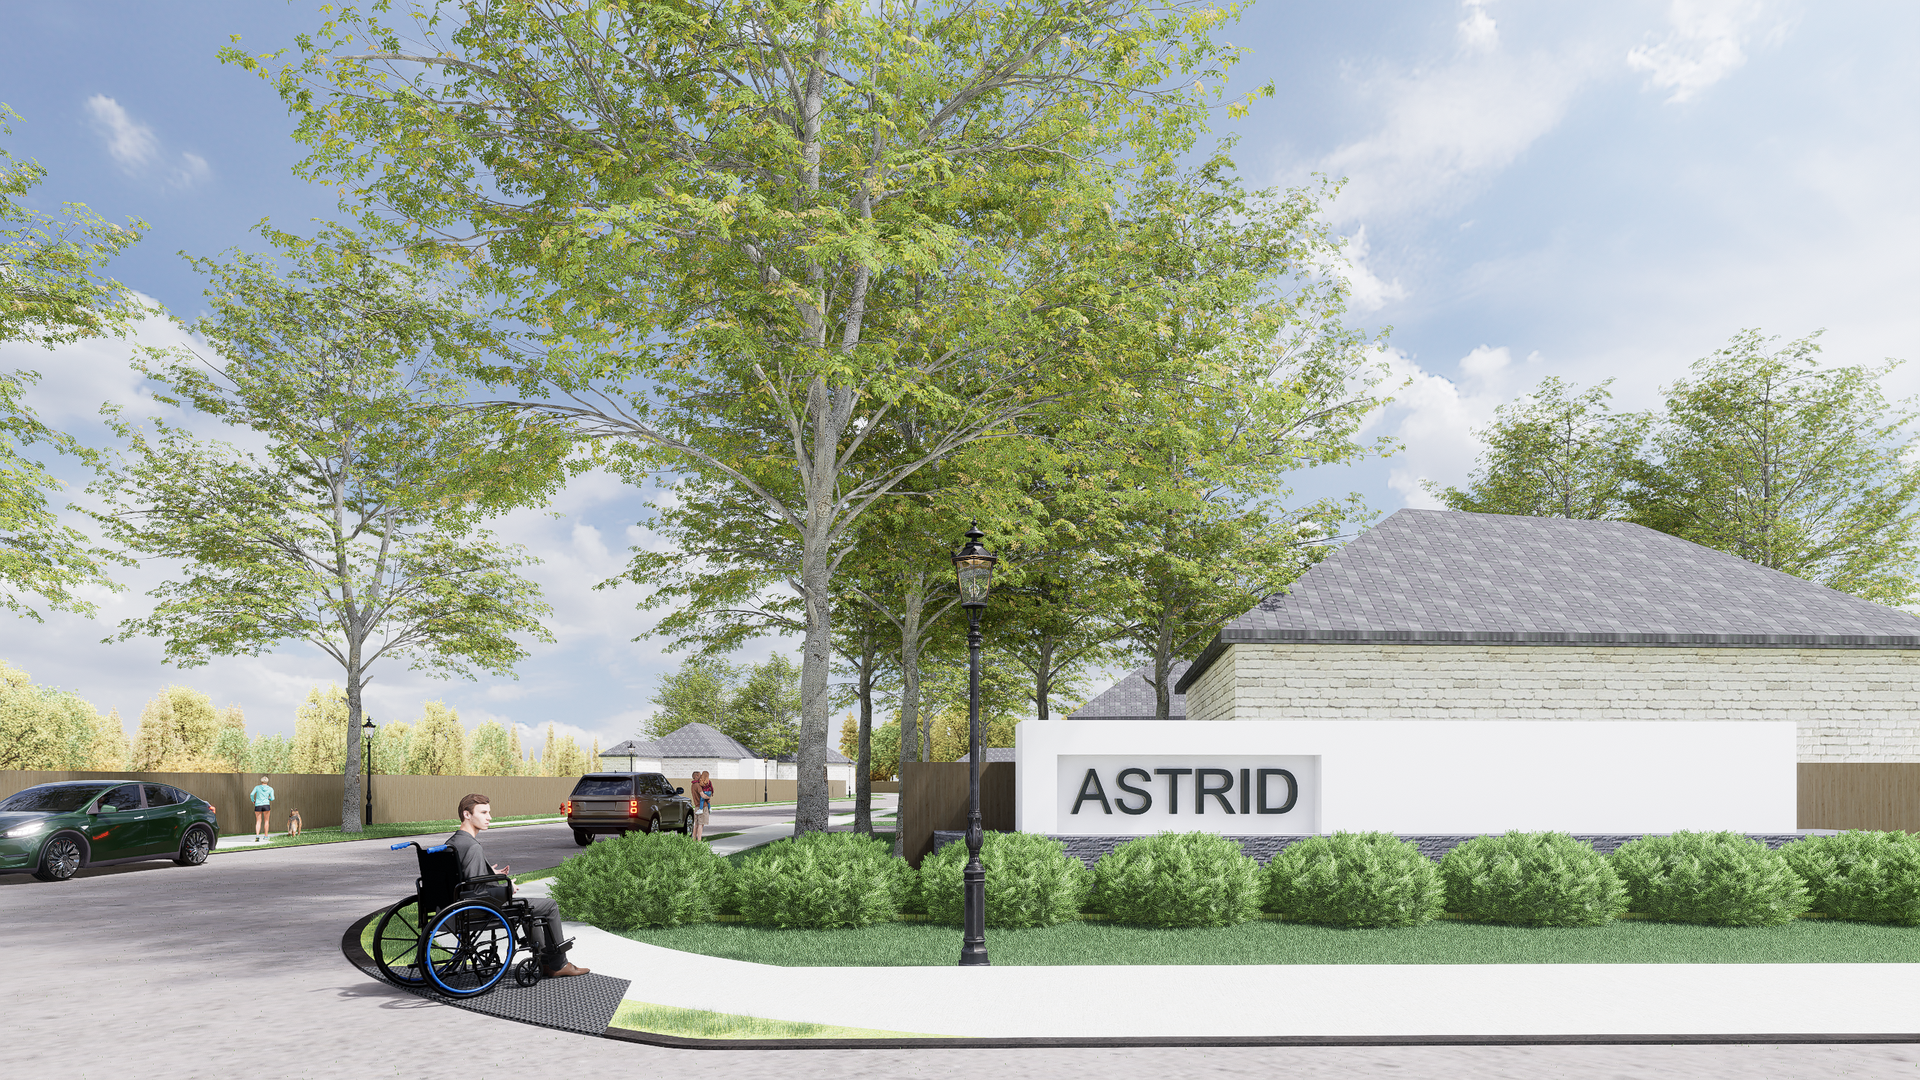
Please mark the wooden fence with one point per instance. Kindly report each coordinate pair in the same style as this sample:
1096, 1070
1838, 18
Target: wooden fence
934, 796
395, 798
1864, 795
315, 795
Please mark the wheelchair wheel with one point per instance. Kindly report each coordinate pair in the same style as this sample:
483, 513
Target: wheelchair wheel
470, 946
396, 944
527, 972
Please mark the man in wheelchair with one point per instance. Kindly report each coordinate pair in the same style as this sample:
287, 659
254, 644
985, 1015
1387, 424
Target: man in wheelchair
476, 815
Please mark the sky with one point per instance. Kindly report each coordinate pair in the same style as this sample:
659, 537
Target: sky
1588, 191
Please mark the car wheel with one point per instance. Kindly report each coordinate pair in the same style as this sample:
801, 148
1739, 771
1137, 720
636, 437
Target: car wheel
653, 824
582, 837
59, 859
195, 848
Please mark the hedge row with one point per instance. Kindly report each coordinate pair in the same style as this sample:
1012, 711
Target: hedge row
824, 880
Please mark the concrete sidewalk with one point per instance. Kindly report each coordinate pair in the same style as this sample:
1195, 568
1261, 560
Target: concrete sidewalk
1277, 1000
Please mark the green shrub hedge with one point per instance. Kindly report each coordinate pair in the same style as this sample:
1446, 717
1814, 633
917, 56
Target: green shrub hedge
641, 879
1177, 879
1031, 881
1532, 879
1354, 880
1864, 876
820, 880
1714, 879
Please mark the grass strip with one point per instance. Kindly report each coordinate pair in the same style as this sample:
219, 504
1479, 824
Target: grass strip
915, 944
701, 1024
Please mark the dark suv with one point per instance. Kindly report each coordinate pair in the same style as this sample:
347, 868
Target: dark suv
622, 802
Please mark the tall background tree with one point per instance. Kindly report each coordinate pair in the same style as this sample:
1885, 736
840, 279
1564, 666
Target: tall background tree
1766, 454
51, 291
1761, 452
355, 529
1555, 454
704, 216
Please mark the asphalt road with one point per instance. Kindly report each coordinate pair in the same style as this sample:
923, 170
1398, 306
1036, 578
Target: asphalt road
233, 969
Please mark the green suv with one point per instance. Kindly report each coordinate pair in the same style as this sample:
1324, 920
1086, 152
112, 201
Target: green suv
53, 830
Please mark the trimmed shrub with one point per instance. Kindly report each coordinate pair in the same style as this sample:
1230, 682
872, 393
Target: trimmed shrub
1864, 876
820, 880
1532, 879
1177, 879
1031, 881
642, 879
1714, 879
1354, 880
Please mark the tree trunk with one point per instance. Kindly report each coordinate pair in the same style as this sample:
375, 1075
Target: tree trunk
863, 759
810, 757
1043, 678
350, 804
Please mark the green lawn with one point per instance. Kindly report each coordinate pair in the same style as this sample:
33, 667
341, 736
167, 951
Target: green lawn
1634, 941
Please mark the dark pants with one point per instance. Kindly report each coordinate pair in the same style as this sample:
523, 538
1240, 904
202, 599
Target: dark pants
545, 930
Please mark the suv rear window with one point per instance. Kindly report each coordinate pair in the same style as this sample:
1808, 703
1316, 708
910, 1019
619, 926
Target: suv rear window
654, 783
604, 787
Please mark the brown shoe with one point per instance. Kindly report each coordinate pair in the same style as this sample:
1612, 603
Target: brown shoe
567, 971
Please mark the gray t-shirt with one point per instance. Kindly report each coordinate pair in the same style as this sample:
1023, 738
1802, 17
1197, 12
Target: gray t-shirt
473, 862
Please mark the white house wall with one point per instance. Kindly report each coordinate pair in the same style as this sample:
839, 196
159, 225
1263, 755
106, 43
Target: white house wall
1849, 705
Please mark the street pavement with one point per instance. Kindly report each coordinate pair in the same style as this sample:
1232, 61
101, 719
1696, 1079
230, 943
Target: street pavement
234, 969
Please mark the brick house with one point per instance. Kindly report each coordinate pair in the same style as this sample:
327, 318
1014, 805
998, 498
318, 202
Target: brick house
1437, 615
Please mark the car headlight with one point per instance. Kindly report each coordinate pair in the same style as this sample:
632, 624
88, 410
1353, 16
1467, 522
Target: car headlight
28, 829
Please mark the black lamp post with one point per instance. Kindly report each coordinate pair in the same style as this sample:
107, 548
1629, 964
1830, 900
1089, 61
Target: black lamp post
366, 733
973, 567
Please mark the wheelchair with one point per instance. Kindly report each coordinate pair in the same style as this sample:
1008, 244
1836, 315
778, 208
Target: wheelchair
454, 936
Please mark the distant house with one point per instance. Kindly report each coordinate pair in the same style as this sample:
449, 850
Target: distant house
703, 748
839, 767
633, 755
1132, 698
991, 754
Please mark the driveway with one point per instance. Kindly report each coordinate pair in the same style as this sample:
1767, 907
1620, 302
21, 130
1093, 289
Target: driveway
234, 969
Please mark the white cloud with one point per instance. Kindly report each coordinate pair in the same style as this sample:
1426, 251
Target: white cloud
132, 144
1704, 44
1445, 129
1477, 29
136, 149
1434, 417
1367, 291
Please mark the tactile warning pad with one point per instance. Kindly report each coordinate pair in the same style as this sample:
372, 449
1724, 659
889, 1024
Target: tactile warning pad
584, 1003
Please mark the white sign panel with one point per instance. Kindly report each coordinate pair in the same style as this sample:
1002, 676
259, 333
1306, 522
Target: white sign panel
1142, 794
1403, 776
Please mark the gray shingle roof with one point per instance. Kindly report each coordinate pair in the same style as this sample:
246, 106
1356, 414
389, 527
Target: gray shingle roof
699, 741
645, 748
991, 754
1441, 577
1132, 698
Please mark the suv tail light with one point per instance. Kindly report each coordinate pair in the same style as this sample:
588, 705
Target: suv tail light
567, 807
633, 807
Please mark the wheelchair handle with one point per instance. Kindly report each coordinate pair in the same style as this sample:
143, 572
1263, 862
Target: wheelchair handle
416, 843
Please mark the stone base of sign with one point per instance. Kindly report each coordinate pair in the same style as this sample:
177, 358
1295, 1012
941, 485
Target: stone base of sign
1089, 849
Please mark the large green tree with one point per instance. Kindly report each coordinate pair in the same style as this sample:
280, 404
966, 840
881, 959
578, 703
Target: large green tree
1556, 454
1254, 375
705, 214
51, 292
355, 528
1766, 454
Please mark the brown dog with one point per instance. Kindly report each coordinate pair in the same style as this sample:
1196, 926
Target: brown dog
293, 823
